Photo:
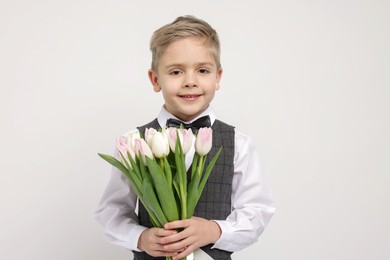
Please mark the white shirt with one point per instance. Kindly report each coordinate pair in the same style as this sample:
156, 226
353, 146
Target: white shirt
252, 203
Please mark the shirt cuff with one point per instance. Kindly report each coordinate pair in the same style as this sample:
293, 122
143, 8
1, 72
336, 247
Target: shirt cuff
224, 242
134, 237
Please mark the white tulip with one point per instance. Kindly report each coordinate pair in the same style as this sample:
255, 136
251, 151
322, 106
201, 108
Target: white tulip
160, 145
149, 133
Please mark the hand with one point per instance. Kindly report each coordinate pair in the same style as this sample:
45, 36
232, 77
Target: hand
197, 232
151, 242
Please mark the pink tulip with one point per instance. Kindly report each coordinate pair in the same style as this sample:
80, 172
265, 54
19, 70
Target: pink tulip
204, 140
121, 140
172, 137
142, 149
124, 148
185, 135
187, 139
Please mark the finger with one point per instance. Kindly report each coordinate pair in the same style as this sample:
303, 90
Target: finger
178, 246
188, 250
160, 232
177, 224
161, 240
178, 236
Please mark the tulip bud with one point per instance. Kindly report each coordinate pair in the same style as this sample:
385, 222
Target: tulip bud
204, 140
187, 139
142, 149
124, 149
121, 140
131, 139
172, 137
149, 133
160, 145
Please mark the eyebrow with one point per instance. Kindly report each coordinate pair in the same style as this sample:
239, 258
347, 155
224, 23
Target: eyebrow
181, 65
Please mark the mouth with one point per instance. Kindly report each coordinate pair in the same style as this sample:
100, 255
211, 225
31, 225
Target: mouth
190, 97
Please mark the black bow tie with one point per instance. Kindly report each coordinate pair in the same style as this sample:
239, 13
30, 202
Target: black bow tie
199, 123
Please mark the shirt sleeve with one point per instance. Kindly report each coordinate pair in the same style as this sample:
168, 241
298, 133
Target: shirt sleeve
252, 202
116, 212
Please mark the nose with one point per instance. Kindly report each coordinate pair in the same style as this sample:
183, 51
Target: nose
190, 81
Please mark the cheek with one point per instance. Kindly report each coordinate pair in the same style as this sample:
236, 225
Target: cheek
171, 87
168, 92
212, 95
212, 86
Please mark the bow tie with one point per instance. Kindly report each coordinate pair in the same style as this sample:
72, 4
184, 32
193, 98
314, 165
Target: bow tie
199, 123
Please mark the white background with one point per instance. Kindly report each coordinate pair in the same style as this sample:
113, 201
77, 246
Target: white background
308, 80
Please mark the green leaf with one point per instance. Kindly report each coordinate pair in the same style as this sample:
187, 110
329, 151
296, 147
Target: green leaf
192, 196
180, 164
153, 218
150, 201
182, 179
168, 173
124, 159
113, 161
176, 185
208, 171
194, 163
142, 166
131, 174
136, 185
164, 193
135, 167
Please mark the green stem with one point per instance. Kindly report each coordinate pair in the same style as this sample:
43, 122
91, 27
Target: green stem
183, 203
184, 189
200, 166
168, 172
161, 161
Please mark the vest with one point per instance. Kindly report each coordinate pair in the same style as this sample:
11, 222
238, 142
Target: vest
215, 201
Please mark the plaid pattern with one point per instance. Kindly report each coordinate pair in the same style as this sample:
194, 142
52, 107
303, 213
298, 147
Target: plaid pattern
215, 201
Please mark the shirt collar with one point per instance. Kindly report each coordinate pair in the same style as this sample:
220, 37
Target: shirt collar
164, 115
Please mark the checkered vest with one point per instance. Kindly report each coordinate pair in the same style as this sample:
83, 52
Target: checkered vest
215, 201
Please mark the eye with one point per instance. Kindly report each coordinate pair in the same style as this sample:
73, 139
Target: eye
175, 72
203, 70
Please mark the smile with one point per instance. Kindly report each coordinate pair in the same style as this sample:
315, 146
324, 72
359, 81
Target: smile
189, 97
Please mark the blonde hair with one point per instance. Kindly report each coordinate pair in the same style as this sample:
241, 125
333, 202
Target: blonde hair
183, 27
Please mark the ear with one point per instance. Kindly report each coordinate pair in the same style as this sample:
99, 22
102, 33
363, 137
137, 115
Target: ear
219, 76
154, 80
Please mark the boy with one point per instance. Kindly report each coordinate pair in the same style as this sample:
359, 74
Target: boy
236, 203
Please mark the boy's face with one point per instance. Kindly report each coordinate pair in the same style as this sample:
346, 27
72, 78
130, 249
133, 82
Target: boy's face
187, 76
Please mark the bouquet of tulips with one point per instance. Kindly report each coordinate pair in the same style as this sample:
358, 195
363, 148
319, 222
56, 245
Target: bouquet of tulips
156, 170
